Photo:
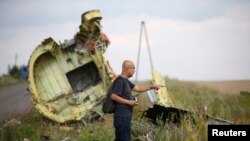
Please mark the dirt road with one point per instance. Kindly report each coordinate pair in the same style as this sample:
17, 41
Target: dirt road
14, 100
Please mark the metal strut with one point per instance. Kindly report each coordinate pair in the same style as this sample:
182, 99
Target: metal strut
143, 28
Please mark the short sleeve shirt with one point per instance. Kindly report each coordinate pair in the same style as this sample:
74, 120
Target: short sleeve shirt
123, 88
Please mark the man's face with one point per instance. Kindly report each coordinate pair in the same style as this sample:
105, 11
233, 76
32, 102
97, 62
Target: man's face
131, 70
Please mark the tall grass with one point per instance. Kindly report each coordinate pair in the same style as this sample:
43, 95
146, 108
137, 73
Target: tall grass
187, 131
36, 128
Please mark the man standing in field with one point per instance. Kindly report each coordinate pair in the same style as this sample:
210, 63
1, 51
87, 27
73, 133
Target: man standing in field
122, 95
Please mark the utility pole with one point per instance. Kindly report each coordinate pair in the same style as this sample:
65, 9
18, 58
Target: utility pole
143, 28
16, 60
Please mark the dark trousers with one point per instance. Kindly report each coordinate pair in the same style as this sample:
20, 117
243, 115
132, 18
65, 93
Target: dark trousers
122, 128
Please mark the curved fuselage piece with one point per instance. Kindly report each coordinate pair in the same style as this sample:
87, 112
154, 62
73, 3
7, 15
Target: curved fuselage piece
68, 81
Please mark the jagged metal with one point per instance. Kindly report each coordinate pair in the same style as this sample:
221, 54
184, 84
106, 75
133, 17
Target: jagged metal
166, 108
68, 80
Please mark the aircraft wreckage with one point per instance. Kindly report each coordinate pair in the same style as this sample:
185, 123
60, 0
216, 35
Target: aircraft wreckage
68, 81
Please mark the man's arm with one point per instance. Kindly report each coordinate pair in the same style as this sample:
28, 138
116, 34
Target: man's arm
121, 100
146, 88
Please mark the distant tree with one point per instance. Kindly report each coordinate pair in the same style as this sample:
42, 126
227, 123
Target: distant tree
14, 71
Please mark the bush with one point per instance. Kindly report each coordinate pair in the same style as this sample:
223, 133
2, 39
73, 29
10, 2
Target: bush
14, 71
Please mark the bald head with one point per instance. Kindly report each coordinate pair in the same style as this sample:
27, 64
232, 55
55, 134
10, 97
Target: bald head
126, 64
128, 68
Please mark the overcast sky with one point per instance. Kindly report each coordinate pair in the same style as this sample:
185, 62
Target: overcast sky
189, 39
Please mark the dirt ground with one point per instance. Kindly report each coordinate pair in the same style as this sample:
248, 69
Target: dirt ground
229, 87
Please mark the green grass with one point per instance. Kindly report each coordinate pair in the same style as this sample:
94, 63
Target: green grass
6, 80
234, 108
36, 128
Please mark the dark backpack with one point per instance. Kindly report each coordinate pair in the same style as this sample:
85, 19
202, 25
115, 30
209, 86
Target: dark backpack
108, 105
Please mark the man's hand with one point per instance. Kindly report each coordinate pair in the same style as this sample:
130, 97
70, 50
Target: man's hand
133, 102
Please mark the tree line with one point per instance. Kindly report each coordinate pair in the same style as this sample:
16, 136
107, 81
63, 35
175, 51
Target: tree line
18, 71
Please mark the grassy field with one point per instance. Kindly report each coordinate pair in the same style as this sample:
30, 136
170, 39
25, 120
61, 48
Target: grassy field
235, 108
227, 87
7, 80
